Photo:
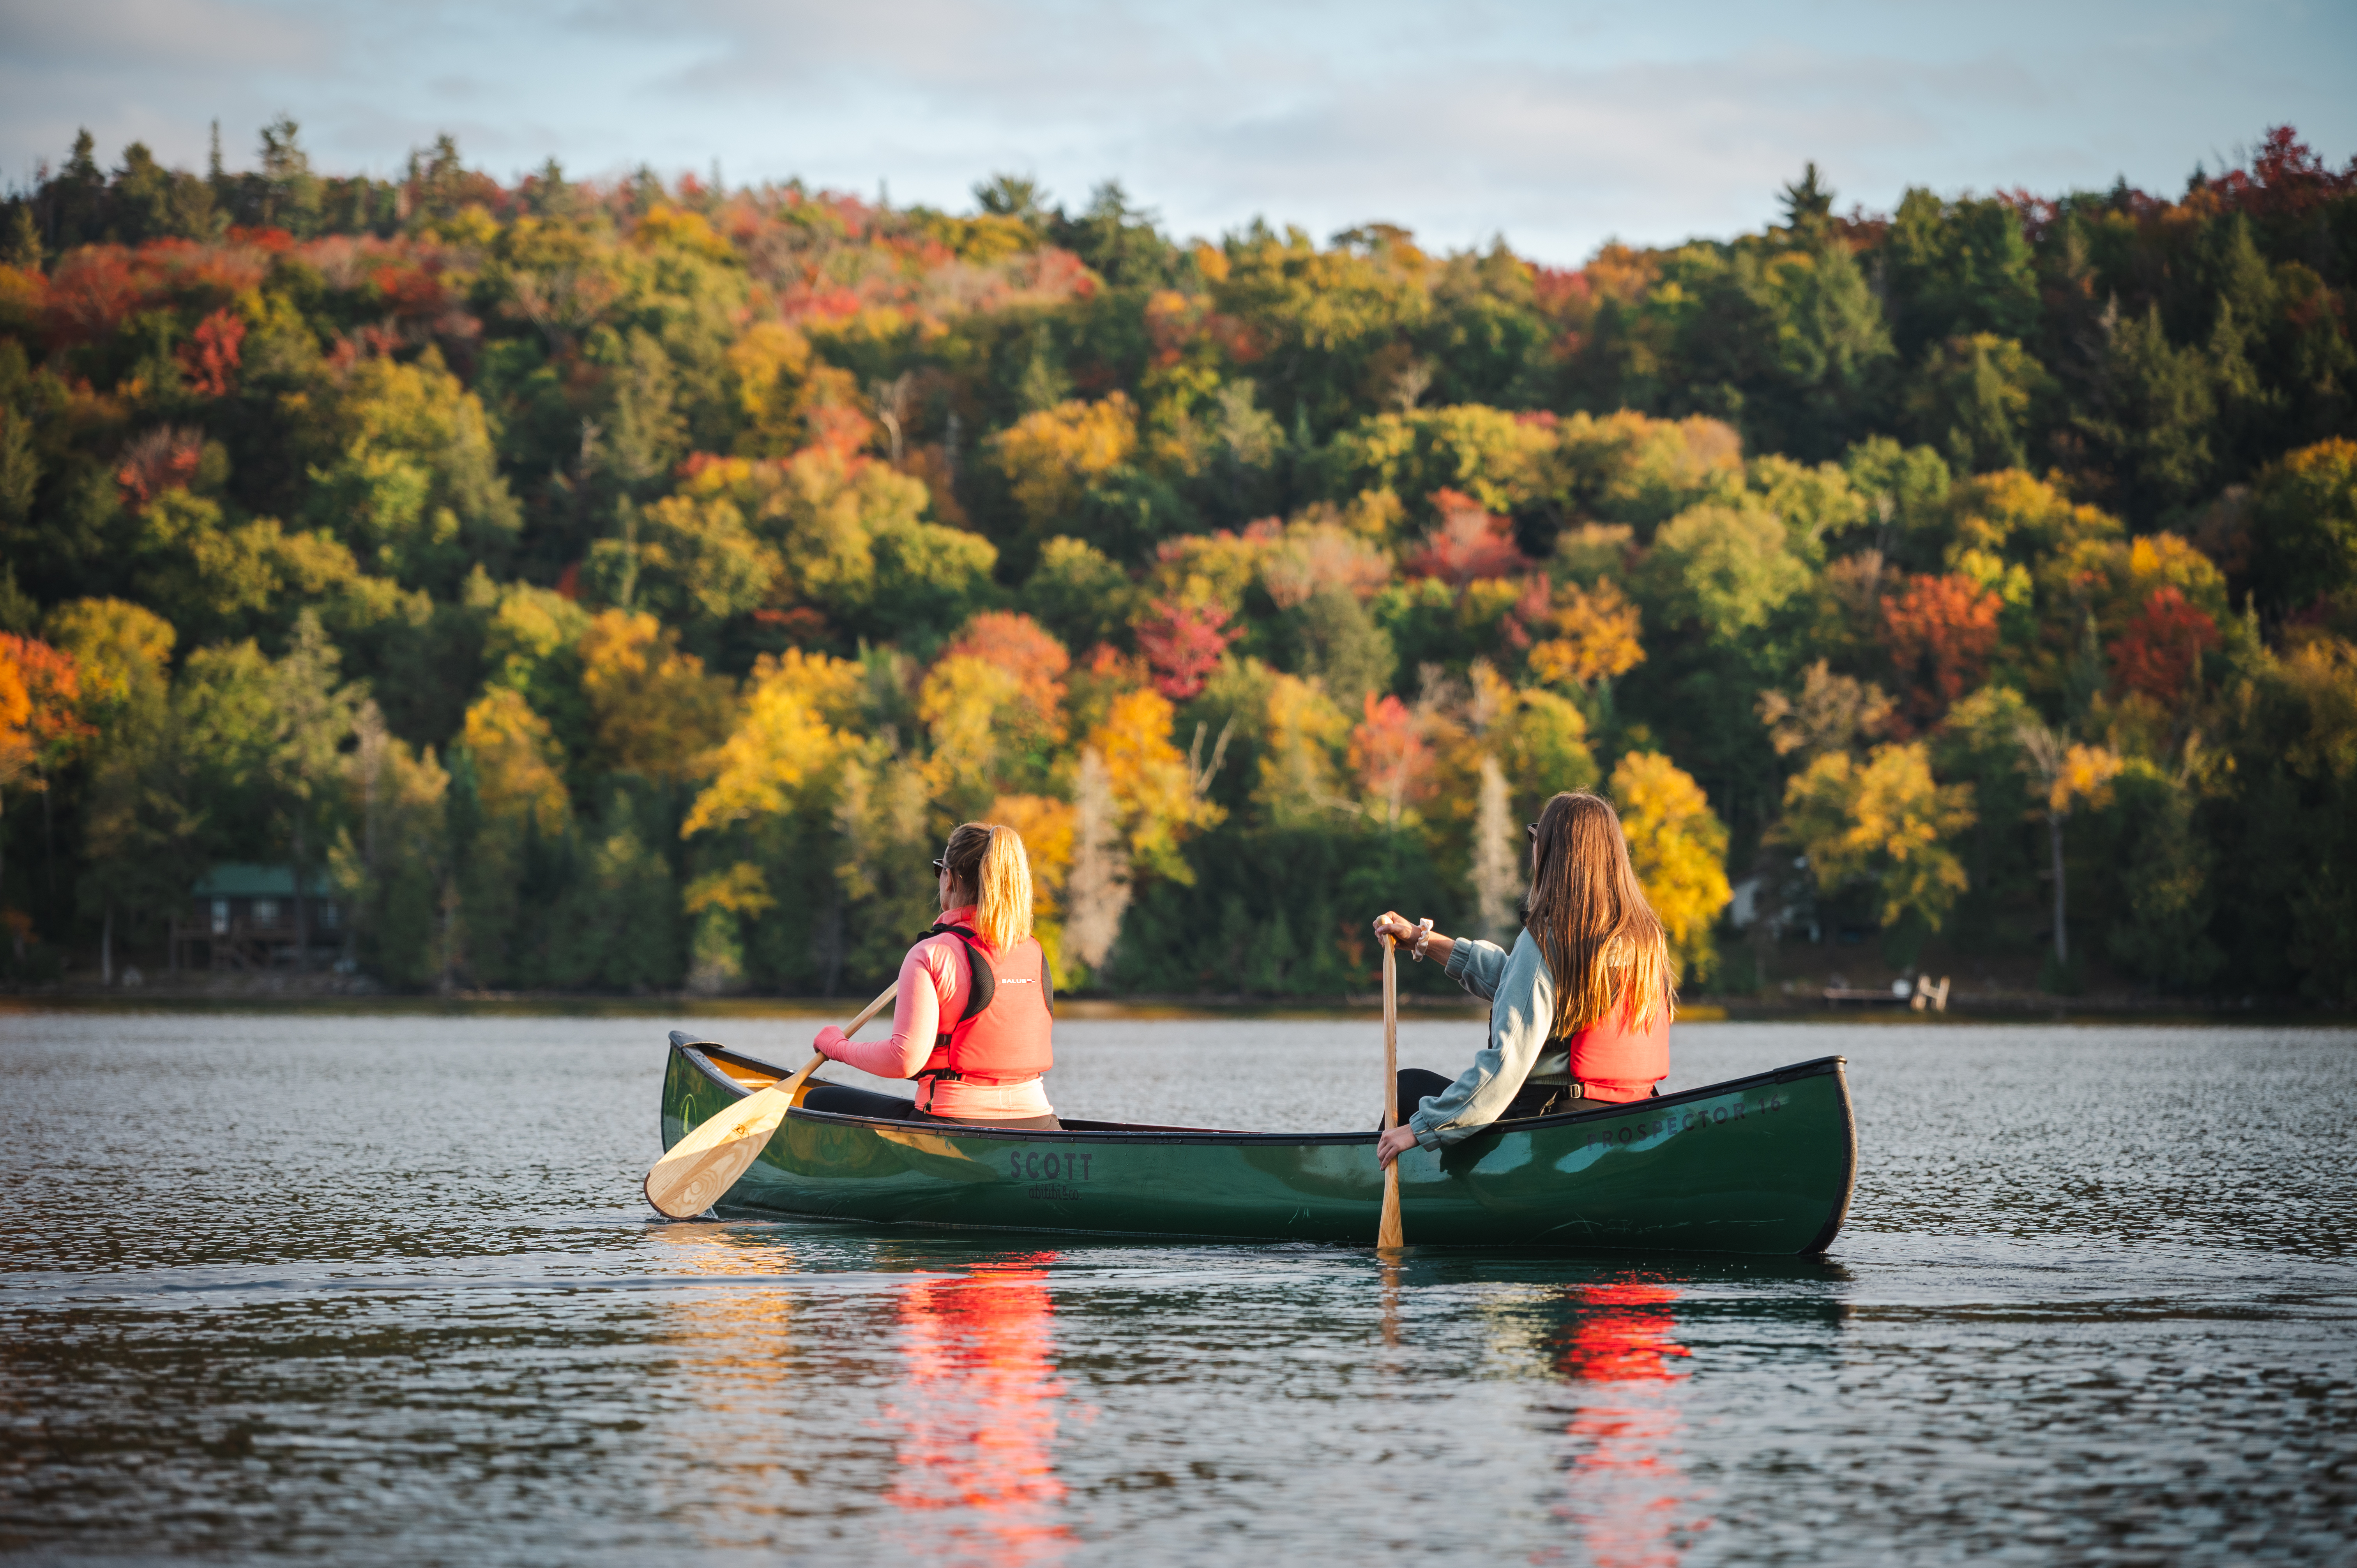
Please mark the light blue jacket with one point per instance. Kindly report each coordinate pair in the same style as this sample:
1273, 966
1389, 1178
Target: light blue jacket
1520, 992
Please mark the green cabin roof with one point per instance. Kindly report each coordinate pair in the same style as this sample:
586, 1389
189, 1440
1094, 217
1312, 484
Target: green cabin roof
236, 879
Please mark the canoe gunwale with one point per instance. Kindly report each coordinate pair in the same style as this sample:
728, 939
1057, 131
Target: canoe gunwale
700, 1052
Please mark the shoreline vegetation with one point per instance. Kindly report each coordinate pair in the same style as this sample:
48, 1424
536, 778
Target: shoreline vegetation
293, 992
439, 587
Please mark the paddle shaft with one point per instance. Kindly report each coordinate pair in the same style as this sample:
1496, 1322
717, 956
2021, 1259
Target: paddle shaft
1387, 1230
795, 1082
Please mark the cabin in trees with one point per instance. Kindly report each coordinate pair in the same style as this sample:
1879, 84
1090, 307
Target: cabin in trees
244, 917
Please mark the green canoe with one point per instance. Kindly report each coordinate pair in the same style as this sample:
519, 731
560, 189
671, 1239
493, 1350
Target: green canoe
1755, 1165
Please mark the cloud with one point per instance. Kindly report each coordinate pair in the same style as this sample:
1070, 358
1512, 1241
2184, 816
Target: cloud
113, 38
1557, 124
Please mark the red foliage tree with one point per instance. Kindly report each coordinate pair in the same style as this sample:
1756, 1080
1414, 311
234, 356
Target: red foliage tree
2158, 651
164, 459
1182, 644
1940, 632
92, 290
1533, 609
2285, 178
411, 289
211, 356
1469, 544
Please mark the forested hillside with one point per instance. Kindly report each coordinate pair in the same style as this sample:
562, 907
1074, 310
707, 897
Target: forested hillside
621, 587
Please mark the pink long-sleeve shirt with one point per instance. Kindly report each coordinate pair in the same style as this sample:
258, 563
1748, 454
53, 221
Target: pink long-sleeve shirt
933, 986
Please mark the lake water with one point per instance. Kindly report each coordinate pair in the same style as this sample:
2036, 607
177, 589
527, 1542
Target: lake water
382, 1290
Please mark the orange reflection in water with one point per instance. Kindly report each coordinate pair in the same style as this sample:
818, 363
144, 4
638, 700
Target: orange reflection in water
1627, 1493
978, 1409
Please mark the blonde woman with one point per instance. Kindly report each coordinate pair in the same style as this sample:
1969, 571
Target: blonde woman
1578, 1010
976, 1009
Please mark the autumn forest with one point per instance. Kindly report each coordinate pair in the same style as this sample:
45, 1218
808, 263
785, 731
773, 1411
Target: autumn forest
622, 586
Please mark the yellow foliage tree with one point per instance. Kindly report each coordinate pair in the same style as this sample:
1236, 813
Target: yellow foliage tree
2320, 674
1156, 797
1886, 821
2068, 776
2015, 515
529, 626
766, 367
120, 649
1679, 848
1542, 746
1596, 637
516, 760
1046, 825
794, 728
719, 902
738, 888
1050, 457
1302, 732
970, 708
653, 709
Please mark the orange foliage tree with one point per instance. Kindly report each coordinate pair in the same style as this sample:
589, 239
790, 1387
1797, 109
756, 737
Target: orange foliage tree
41, 718
656, 712
1940, 632
1021, 647
1392, 757
1596, 638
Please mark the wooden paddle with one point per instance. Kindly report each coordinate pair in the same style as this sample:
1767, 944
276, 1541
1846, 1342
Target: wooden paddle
706, 1162
1387, 1230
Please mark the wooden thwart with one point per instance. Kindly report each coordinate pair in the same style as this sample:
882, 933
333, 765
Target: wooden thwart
690, 1177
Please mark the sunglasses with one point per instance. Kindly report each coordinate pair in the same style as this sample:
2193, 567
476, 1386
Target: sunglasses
940, 866
1532, 829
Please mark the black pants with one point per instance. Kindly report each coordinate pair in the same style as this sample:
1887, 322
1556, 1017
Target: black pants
1532, 1100
1416, 1084
842, 1099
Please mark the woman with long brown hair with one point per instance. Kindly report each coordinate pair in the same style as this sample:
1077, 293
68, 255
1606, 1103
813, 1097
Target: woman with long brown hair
974, 1021
1578, 1010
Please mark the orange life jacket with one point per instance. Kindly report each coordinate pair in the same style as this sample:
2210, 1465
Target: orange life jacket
1617, 1062
1004, 1035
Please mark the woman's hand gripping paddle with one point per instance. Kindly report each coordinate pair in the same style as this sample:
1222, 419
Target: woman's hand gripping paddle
708, 1162
1387, 1230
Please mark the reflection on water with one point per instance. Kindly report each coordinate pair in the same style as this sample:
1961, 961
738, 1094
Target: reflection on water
2095, 1302
1627, 1493
977, 1408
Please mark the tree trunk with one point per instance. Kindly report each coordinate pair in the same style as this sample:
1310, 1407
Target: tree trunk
2061, 935
1495, 879
106, 946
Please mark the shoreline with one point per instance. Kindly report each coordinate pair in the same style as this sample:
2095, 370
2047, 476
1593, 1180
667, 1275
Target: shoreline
334, 993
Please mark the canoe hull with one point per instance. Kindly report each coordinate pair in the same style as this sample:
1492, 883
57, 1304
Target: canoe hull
1761, 1164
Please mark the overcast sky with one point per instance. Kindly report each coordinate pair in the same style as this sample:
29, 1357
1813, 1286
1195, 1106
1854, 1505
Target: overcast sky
1559, 125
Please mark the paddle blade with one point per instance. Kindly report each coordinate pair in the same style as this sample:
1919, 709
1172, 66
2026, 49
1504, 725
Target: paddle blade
1387, 1231
690, 1177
